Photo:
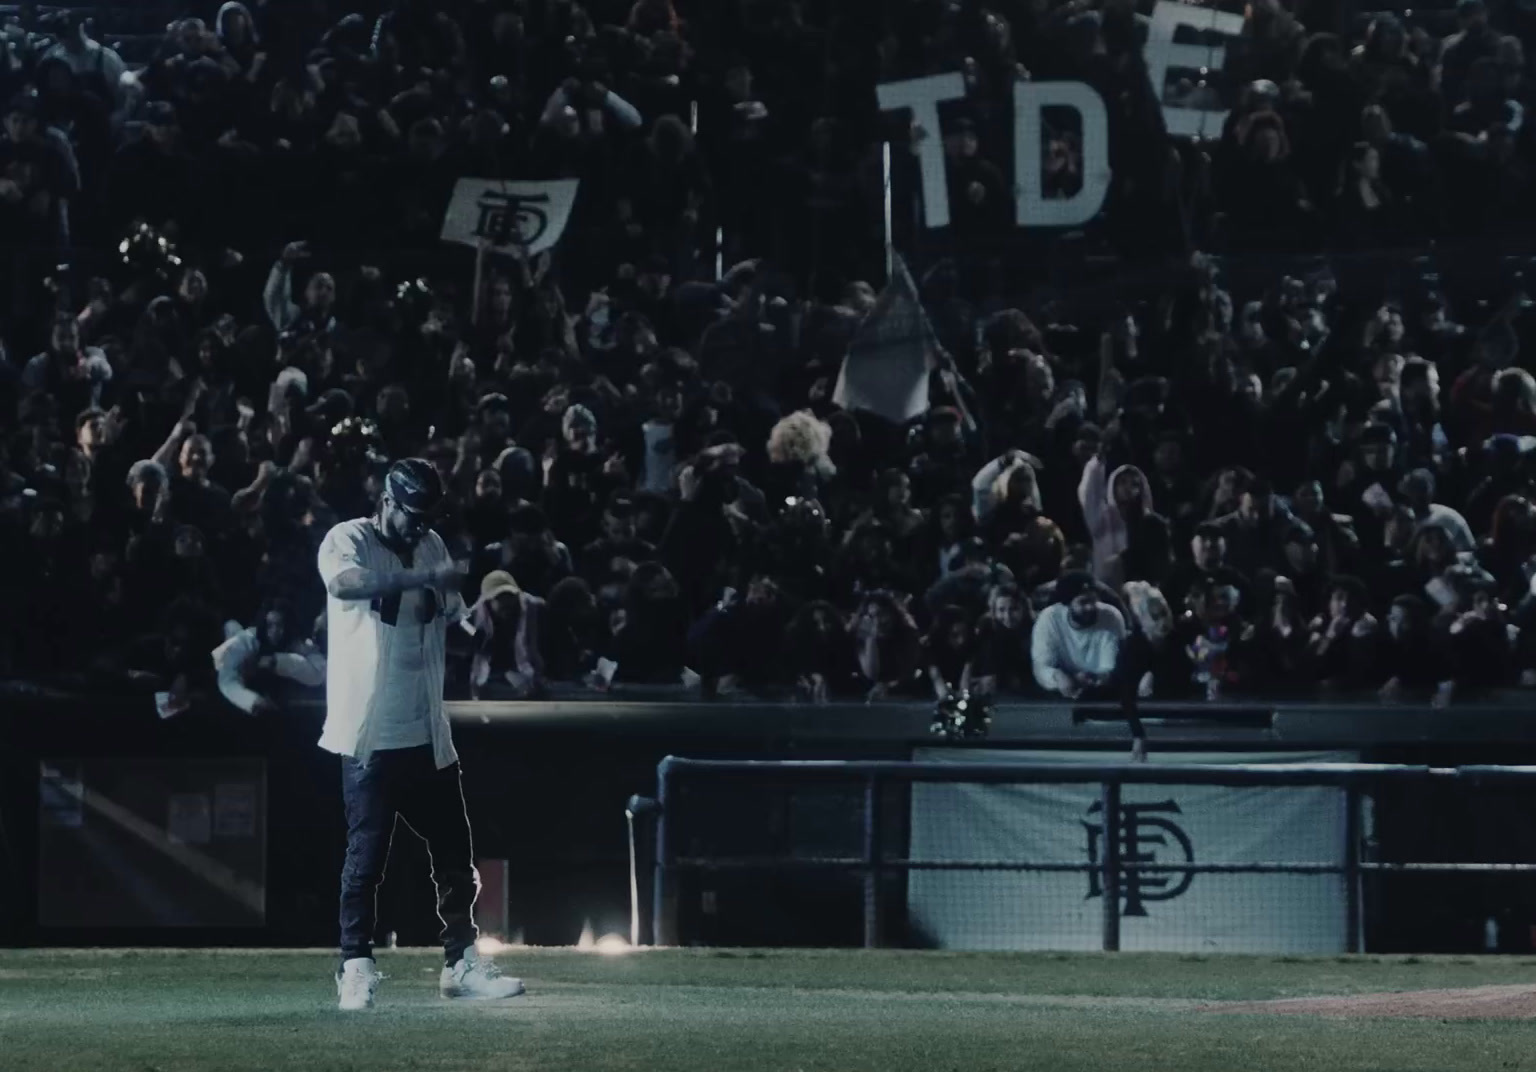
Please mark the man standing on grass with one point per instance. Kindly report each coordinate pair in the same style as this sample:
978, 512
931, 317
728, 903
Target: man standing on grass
392, 590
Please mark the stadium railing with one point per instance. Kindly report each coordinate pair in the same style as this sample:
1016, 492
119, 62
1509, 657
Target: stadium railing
701, 803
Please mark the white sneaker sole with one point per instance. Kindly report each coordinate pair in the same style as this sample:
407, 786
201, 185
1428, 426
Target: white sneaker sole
459, 994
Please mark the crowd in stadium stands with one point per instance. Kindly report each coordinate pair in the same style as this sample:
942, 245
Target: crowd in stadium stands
225, 309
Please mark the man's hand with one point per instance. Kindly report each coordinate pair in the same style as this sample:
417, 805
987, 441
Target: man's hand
449, 574
113, 425
162, 511
303, 454
265, 708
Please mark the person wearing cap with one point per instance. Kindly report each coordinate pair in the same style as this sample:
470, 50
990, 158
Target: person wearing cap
506, 621
96, 65
979, 201
74, 374
1475, 40
392, 589
607, 562
152, 178
1076, 642
26, 137
1418, 491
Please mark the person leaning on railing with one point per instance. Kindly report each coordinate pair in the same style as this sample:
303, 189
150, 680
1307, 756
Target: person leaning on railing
251, 661
1076, 642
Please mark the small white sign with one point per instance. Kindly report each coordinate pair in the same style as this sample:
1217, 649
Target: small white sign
529, 215
234, 810
191, 818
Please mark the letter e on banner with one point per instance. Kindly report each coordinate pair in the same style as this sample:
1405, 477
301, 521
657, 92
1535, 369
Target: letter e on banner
923, 95
1030, 203
1162, 55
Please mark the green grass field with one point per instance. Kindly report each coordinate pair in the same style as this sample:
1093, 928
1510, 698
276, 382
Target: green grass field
719, 1010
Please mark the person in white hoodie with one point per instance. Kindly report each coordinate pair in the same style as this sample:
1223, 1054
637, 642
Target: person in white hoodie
1076, 642
1115, 510
267, 650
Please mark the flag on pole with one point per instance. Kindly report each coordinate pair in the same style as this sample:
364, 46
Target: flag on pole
886, 368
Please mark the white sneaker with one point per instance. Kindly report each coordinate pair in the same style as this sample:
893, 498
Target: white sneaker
355, 984
479, 979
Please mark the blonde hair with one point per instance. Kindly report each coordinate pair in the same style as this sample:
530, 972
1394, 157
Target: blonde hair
800, 437
1515, 383
1145, 601
1000, 485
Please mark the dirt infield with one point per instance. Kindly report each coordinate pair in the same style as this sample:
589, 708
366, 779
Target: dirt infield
1470, 1003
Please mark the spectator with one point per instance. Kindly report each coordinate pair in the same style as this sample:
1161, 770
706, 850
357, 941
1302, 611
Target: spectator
886, 646
1417, 490
1002, 660
262, 383
1412, 656
1119, 514
73, 374
650, 630
1076, 641
1029, 545
251, 661
507, 662
1151, 662
1343, 640
820, 653
1218, 647
950, 650
741, 642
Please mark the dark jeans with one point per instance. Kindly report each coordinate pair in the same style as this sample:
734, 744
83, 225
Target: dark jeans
407, 783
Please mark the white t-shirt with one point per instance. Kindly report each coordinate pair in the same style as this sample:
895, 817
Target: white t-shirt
384, 665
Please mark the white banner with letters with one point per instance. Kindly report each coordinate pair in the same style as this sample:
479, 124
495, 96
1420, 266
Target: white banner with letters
1165, 824
532, 215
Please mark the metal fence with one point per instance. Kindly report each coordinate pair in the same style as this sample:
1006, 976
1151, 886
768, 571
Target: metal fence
723, 820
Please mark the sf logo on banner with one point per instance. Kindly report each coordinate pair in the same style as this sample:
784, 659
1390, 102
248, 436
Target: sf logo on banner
507, 218
1146, 837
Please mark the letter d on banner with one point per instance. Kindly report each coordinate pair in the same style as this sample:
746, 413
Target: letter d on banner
923, 95
1030, 203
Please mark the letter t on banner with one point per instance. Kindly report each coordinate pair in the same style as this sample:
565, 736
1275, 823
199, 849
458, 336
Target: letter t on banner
1030, 203
923, 95
1162, 55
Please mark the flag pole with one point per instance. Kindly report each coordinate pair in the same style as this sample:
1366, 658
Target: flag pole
890, 246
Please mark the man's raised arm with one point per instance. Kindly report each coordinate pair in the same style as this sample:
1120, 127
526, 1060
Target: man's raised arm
346, 578
358, 582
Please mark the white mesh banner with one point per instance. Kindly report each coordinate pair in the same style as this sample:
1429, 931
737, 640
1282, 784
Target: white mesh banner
1164, 824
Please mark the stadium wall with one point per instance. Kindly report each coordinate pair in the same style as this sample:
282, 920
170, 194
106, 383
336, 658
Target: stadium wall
547, 786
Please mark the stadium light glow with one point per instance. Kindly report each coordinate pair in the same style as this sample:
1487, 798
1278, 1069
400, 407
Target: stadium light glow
610, 944
613, 945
